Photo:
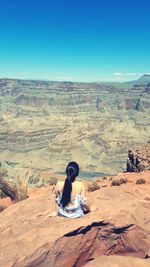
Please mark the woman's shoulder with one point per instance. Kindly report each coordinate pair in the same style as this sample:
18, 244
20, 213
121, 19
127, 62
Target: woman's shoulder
79, 184
59, 184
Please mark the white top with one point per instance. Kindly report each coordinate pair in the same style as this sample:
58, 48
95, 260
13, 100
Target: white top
75, 211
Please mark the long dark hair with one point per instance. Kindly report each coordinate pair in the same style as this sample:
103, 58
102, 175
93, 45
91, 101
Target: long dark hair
72, 172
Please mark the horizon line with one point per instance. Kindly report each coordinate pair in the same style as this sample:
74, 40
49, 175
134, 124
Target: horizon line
71, 81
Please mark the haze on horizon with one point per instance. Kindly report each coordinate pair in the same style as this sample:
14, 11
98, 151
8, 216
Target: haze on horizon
89, 40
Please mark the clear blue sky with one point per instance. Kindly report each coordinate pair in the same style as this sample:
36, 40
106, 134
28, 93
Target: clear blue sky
83, 40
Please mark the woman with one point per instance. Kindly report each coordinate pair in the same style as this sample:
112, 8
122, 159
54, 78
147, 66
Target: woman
71, 195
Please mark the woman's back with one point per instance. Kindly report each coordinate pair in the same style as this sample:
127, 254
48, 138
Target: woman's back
78, 188
71, 194
74, 209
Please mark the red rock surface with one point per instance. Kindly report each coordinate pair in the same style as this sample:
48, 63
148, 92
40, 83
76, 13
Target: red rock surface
118, 261
121, 226
143, 154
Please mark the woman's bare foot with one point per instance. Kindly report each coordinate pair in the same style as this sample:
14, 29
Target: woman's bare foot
52, 214
94, 208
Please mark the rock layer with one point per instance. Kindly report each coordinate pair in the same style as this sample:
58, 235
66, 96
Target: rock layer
55, 122
82, 245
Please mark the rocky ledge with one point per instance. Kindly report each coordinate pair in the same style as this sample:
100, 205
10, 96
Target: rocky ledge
117, 233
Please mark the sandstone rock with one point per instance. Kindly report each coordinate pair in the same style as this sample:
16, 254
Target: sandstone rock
119, 227
117, 261
79, 246
143, 154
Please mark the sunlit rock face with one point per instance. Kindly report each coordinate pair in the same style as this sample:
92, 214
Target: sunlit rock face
52, 123
119, 227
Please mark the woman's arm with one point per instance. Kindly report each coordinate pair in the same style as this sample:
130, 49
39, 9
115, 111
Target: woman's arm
83, 191
54, 213
86, 206
56, 193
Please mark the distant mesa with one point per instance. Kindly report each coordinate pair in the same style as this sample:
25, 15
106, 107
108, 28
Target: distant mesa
144, 79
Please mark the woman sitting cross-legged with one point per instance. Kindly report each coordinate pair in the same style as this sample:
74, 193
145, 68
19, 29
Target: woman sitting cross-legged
71, 195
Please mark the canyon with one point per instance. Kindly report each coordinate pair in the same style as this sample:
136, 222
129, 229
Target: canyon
51, 123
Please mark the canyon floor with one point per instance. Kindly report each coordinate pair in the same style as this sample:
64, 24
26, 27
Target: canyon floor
117, 234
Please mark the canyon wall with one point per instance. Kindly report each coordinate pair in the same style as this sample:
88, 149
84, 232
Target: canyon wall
52, 123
